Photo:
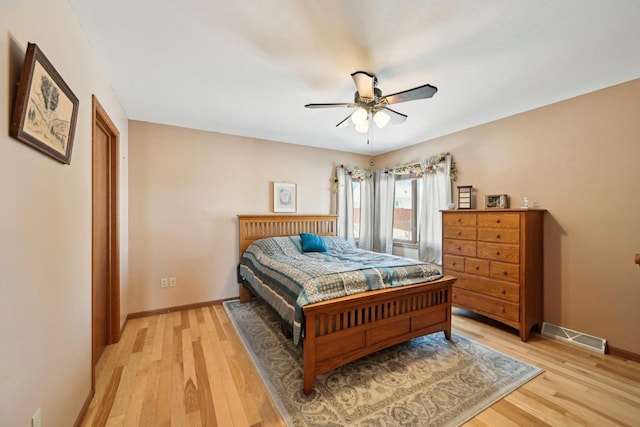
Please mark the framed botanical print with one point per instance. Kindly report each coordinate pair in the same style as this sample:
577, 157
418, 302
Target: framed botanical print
45, 112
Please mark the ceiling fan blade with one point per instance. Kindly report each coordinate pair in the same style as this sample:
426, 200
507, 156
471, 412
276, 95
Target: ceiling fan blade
395, 117
420, 92
365, 83
339, 104
346, 122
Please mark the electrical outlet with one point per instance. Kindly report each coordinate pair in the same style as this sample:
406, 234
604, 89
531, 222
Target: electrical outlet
172, 282
36, 420
164, 282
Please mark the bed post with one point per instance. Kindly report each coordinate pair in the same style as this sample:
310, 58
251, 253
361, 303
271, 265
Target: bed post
309, 353
245, 294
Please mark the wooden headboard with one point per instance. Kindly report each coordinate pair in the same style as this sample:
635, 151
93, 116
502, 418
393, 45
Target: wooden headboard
254, 227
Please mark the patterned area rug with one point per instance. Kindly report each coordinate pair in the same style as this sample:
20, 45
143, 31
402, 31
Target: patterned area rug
427, 381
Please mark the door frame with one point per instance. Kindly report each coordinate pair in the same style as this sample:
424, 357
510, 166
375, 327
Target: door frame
100, 119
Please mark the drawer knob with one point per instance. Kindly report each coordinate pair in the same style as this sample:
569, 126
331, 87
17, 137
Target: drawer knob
502, 309
504, 273
459, 248
497, 252
503, 292
459, 219
453, 263
477, 267
497, 221
459, 233
497, 236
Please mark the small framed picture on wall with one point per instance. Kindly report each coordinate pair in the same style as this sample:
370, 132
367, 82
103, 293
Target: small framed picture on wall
284, 197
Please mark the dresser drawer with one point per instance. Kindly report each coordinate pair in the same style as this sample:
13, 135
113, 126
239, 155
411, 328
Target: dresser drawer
504, 235
459, 247
499, 252
486, 305
499, 220
453, 262
477, 266
463, 220
454, 232
504, 271
497, 289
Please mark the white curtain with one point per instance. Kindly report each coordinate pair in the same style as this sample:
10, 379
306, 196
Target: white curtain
345, 205
383, 211
436, 195
365, 241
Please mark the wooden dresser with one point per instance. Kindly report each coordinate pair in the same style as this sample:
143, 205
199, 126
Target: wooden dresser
497, 257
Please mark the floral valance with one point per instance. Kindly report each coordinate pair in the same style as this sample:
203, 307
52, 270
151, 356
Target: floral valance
358, 174
430, 165
414, 169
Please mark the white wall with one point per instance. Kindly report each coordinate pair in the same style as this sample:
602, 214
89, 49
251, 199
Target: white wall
45, 227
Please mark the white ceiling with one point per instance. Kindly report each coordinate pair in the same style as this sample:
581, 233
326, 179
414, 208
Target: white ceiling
248, 67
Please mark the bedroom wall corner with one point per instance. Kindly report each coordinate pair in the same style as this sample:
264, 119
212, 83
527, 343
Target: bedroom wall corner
187, 188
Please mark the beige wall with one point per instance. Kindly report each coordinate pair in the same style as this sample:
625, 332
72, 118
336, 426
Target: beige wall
45, 227
579, 160
186, 189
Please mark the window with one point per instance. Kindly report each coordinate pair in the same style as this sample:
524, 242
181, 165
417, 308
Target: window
406, 207
355, 186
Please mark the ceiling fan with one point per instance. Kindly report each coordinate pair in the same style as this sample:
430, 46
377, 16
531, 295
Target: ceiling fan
370, 105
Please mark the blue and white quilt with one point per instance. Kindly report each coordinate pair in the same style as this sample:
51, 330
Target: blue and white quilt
288, 279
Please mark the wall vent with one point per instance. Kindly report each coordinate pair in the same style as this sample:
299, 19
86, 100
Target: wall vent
574, 337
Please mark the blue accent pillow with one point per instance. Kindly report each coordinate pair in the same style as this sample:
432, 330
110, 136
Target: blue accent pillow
312, 243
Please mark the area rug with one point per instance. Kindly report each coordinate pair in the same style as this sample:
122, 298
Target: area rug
427, 381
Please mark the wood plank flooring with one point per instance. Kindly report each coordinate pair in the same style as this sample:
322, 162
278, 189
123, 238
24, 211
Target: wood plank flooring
190, 368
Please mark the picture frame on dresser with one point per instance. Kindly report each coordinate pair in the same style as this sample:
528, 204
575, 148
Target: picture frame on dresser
496, 201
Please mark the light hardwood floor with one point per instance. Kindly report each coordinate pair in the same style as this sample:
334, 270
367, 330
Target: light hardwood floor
190, 368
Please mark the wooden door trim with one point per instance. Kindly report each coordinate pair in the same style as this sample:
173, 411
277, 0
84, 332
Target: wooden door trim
100, 118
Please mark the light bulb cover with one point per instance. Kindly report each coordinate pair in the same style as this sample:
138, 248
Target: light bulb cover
359, 116
362, 127
381, 119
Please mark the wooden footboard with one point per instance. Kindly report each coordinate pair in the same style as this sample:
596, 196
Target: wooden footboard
345, 329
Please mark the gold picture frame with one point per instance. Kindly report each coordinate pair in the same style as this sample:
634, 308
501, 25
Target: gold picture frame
46, 110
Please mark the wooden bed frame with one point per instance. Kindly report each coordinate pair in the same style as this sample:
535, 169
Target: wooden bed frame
344, 329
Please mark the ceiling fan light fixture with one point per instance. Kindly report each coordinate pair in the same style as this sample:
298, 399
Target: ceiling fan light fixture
381, 119
363, 127
372, 107
359, 116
